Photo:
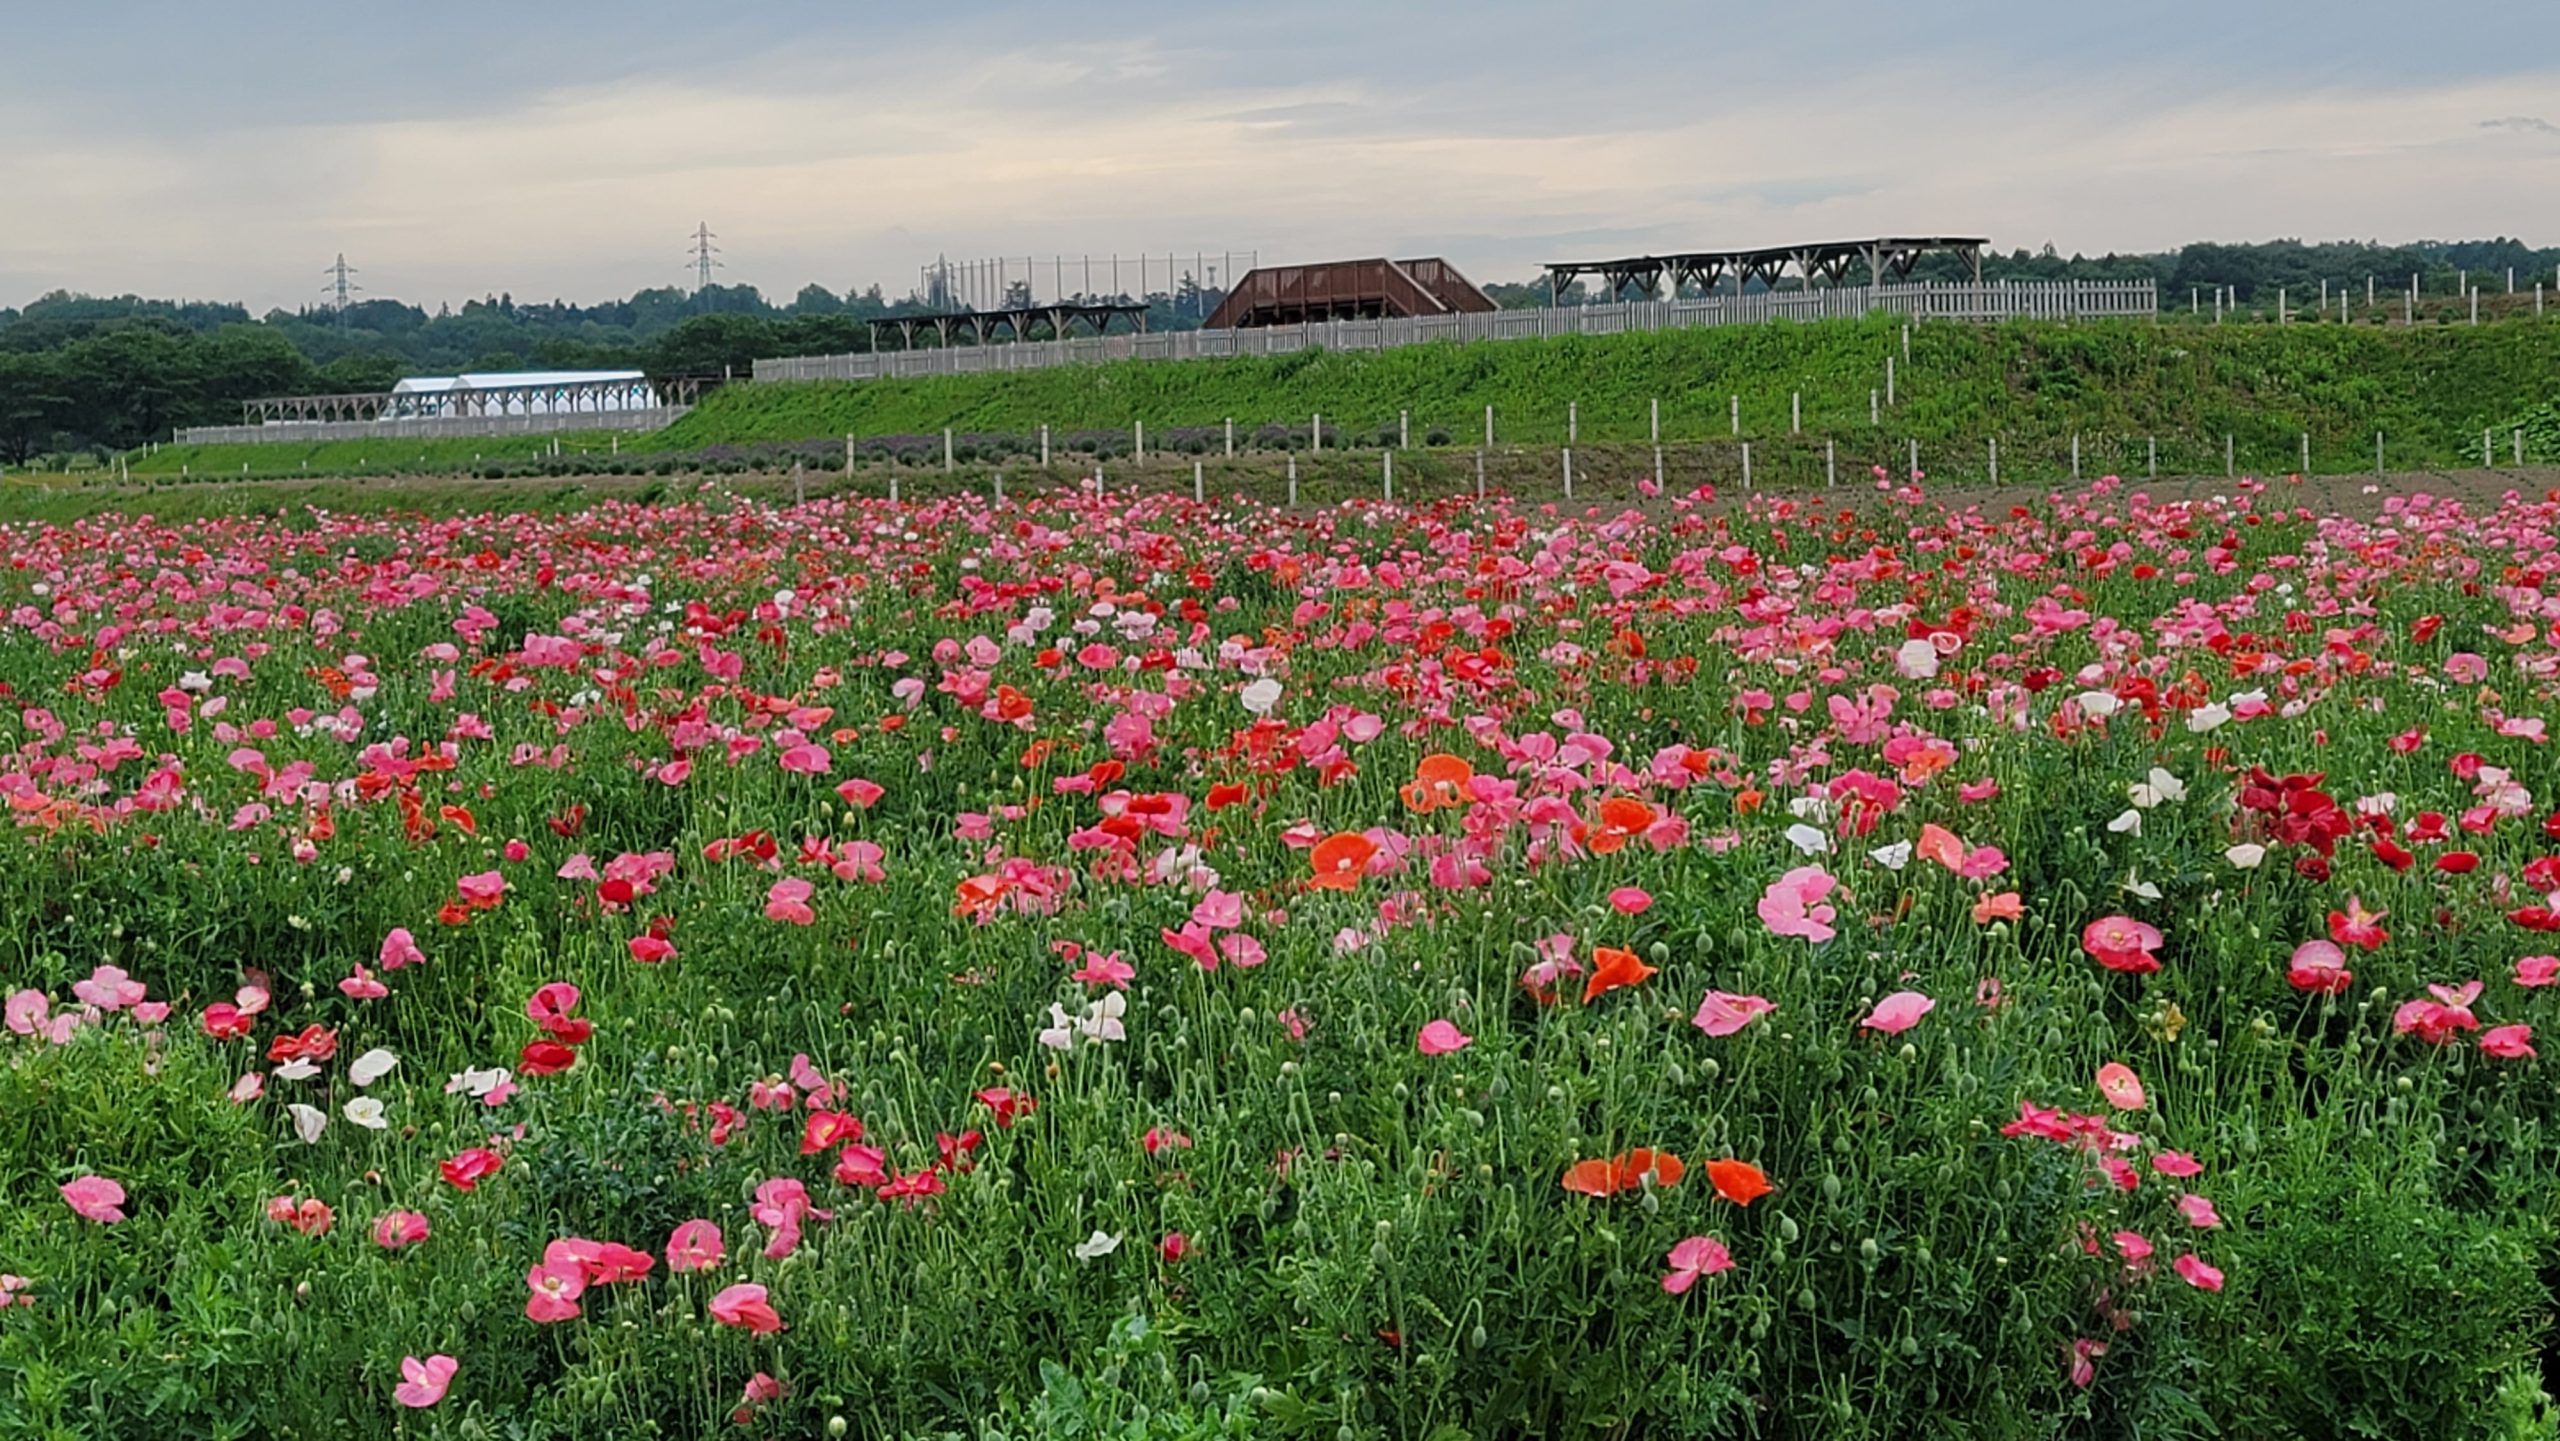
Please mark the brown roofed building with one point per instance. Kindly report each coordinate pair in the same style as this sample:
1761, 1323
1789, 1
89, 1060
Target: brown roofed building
1347, 290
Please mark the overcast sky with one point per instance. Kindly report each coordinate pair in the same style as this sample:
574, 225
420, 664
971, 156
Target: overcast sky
561, 148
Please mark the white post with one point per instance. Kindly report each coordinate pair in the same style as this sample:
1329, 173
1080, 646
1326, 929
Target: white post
1875, 415
1044, 447
1480, 474
1906, 340
848, 456
2475, 307
1915, 460
1197, 491
1568, 472
1995, 460
999, 490
1888, 380
2488, 453
1737, 414
1656, 404
2377, 455
1387, 476
893, 487
1657, 465
1293, 477
2227, 469
1231, 437
1830, 463
2075, 455
2306, 452
1097, 479
1315, 432
948, 463
1404, 430
616, 447
1573, 422
1746, 465
1140, 457
1488, 426
799, 487
1795, 413
2152, 444
2281, 317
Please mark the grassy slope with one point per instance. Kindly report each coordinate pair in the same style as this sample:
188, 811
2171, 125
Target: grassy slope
2432, 389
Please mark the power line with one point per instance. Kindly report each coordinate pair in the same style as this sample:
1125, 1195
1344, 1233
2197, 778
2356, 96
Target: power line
341, 289
701, 255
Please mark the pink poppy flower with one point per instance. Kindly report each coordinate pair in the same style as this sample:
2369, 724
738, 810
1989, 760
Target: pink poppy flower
2121, 943
807, 758
788, 900
481, 890
108, 988
2318, 967
2199, 1212
2508, 1043
400, 949
1898, 1012
423, 1383
2083, 1354
696, 1246
1697, 1256
1439, 1038
1793, 904
744, 1306
2176, 1164
362, 986
2121, 1087
95, 1198
1630, 900
859, 793
1722, 1013
554, 1290
2193, 1270
395, 1229
2534, 971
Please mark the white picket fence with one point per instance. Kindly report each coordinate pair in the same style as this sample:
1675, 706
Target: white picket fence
1991, 301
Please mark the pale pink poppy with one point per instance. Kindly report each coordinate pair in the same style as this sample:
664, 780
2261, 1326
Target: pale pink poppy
807, 758
859, 793
2195, 1272
1793, 904
1898, 1012
2121, 1087
108, 988
1723, 1014
362, 986
2535, 971
554, 1290
2199, 1212
423, 1383
1697, 1256
2176, 1164
95, 1198
1630, 900
1439, 1038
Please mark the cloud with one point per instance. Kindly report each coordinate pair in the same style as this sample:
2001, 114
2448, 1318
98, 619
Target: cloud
857, 165
2530, 124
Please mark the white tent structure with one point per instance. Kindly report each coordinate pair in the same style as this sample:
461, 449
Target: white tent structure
523, 392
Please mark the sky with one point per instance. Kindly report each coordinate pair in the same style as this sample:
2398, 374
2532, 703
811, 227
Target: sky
567, 149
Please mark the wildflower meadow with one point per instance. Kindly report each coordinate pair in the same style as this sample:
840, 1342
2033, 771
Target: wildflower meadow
1875, 963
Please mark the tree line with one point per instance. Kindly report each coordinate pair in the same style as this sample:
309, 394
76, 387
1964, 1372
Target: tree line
95, 373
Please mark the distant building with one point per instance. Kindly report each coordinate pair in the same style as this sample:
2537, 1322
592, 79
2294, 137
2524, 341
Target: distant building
522, 392
1347, 290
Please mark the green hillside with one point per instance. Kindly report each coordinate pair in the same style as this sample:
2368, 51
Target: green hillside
2431, 389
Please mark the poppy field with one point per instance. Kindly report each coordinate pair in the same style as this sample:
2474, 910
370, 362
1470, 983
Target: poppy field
1881, 963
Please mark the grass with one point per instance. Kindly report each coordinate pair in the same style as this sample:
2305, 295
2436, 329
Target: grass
2119, 386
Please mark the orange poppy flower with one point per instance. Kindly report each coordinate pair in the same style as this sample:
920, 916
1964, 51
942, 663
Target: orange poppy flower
1738, 1181
1340, 859
1612, 968
1624, 1172
1620, 818
979, 894
1439, 781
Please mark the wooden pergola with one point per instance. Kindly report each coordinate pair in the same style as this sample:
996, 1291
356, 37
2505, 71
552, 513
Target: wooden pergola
985, 327
1887, 258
